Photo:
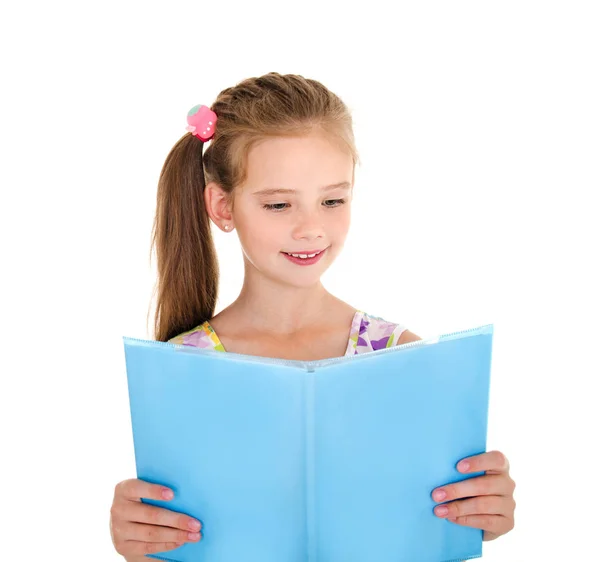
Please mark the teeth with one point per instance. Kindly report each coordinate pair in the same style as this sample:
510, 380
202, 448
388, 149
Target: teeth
304, 256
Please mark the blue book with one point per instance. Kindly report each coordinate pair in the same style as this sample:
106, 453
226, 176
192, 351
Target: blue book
312, 461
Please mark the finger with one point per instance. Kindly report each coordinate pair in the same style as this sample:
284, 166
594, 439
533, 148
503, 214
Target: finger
153, 533
135, 489
482, 505
487, 485
131, 548
494, 461
496, 524
145, 513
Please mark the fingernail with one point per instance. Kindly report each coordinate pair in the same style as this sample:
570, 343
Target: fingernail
167, 494
194, 525
463, 466
439, 495
441, 511
193, 536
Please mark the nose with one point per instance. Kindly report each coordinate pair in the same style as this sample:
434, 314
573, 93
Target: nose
308, 226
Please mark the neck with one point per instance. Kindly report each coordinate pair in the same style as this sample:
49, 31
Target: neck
280, 309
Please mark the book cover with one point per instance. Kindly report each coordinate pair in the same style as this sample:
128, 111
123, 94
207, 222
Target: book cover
318, 461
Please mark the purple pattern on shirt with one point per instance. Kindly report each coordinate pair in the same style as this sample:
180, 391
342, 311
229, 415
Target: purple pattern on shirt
375, 334
198, 339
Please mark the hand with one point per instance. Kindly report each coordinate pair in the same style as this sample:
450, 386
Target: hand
138, 528
490, 505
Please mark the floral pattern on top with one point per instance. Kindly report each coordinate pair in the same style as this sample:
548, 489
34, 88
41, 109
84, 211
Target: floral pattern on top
367, 333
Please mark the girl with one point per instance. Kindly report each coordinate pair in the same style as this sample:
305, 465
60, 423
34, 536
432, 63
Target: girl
280, 171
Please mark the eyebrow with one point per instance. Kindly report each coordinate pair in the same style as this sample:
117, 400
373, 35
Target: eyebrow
274, 190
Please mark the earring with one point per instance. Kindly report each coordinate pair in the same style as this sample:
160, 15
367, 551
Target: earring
226, 227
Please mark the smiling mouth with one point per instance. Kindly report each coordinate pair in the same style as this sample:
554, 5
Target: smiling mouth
305, 255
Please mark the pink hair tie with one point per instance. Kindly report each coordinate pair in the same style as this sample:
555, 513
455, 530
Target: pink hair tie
201, 122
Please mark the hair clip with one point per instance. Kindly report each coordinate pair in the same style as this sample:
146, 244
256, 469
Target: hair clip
201, 122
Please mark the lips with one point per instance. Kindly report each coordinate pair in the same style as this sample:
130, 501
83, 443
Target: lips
305, 261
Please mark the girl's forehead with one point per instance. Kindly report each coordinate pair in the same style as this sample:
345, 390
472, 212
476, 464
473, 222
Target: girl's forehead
313, 141
280, 158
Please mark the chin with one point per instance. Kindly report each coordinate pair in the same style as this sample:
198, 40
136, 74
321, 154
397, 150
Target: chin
304, 276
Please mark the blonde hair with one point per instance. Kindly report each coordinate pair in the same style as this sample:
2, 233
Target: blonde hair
272, 105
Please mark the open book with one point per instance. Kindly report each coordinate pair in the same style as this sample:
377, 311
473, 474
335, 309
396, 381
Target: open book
318, 461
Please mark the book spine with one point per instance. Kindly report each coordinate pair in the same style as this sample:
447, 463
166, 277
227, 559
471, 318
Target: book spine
311, 523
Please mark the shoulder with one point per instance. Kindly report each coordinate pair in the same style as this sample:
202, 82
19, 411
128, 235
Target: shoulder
202, 336
407, 337
370, 333
183, 337
396, 334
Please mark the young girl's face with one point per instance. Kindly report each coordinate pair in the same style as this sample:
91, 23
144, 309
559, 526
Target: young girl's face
296, 199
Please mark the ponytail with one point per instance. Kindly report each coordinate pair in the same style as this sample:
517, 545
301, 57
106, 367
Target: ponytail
188, 270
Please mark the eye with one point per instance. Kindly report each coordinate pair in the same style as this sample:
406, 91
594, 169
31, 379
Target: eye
337, 201
277, 207
274, 207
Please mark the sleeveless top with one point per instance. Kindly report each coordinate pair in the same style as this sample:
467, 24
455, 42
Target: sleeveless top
367, 333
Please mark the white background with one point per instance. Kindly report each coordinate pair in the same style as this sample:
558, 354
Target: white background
478, 126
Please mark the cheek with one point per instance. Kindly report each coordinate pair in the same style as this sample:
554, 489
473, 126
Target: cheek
342, 225
257, 231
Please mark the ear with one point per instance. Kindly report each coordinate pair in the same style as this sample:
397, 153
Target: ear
218, 205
